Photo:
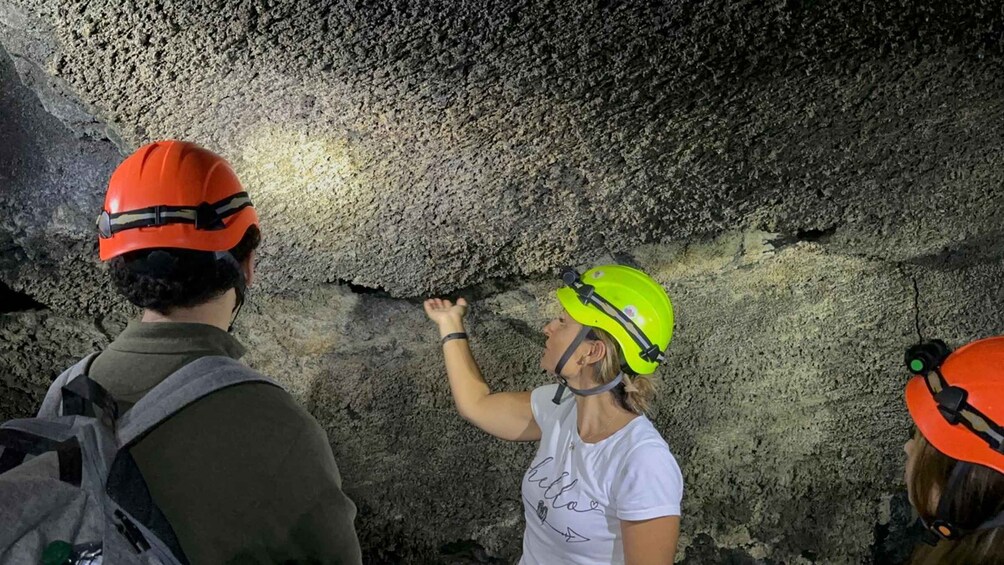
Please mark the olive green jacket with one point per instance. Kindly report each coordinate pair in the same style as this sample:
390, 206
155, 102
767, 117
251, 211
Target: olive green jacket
244, 475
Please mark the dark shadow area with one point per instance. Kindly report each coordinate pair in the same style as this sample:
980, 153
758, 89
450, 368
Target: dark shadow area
895, 541
16, 403
467, 551
13, 301
984, 248
813, 235
705, 550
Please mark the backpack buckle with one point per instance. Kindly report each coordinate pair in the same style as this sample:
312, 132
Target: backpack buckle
128, 529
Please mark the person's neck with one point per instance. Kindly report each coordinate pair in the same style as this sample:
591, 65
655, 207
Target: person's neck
216, 312
600, 416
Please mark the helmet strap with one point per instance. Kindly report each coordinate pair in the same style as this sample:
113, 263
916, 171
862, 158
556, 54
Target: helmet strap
563, 382
240, 289
569, 351
941, 527
993, 523
594, 390
236, 311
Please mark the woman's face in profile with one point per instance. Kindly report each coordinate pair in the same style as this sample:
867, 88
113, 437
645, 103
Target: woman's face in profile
560, 333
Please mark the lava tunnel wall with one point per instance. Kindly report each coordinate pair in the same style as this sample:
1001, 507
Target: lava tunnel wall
813, 182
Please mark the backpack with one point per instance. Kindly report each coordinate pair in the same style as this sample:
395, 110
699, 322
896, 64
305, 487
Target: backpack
70, 492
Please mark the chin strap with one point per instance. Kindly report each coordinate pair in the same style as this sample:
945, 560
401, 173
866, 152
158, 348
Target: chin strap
940, 528
237, 311
585, 391
240, 288
563, 382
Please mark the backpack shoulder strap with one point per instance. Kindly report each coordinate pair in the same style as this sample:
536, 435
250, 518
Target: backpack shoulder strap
192, 382
53, 401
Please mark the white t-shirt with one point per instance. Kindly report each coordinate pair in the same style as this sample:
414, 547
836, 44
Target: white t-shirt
575, 494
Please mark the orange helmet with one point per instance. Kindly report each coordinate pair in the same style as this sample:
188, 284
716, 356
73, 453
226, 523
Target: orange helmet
173, 194
957, 399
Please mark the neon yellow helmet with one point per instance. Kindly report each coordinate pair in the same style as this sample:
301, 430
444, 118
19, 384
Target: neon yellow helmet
627, 304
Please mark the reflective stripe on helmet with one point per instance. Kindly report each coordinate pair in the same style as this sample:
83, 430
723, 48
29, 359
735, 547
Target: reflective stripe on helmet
205, 216
587, 293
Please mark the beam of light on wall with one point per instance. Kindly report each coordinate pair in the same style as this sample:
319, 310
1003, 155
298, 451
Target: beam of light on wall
289, 166
309, 194
305, 182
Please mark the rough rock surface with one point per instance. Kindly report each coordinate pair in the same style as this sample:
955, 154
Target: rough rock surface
49, 197
380, 138
812, 182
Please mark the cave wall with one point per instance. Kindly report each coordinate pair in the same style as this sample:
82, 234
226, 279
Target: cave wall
812, 182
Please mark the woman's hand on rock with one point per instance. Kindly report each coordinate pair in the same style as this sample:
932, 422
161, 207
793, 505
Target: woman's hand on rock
447, 315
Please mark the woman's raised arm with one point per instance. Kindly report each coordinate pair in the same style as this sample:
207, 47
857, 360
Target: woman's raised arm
505, 415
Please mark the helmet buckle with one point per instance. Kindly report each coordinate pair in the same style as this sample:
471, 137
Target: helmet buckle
1000, 447
951, 400
651, 353
944, 530
585, 292
207, 218
105, 224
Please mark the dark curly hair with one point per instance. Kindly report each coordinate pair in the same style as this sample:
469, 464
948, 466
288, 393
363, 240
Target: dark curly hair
165, 279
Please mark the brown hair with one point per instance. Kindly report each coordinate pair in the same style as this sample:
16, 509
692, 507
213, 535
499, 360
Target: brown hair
636, 392
163, 280
978, 497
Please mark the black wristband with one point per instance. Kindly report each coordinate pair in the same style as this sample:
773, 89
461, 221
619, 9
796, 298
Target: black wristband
457, 335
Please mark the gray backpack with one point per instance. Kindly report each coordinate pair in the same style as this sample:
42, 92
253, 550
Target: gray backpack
70, 492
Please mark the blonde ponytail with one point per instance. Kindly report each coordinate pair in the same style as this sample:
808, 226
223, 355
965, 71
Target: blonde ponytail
638, 391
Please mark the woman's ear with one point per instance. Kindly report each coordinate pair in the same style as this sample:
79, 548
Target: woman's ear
597, 351
248, 266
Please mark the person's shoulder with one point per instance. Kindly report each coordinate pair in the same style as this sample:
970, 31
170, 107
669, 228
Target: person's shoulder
259, 394
263, 403
544, 393
543, 405
643, 450
644, 440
